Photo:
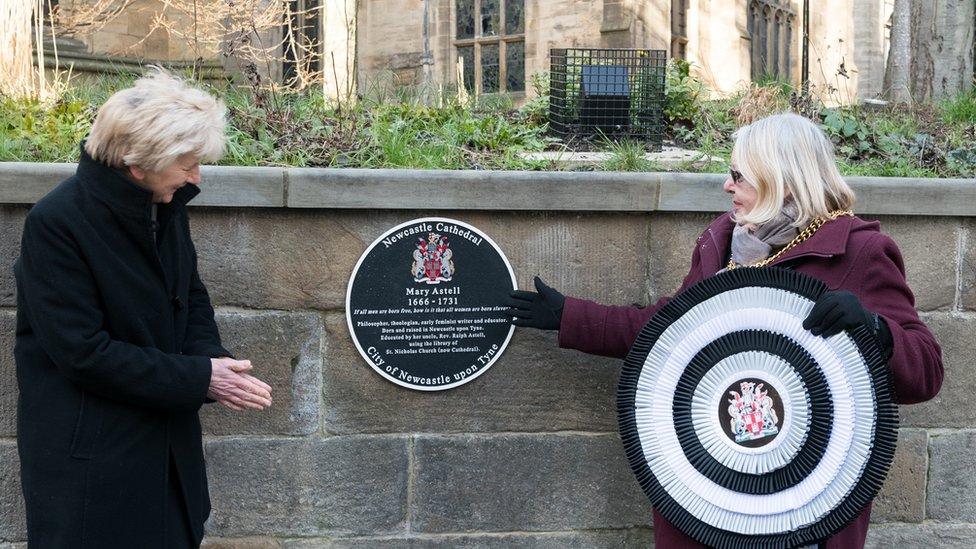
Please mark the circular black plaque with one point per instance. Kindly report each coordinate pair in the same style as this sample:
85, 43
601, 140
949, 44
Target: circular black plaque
425, 304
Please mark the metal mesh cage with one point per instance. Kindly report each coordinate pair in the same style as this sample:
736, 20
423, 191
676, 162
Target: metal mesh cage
617, 93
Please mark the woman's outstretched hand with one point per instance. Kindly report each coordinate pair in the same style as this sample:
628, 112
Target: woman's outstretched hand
542, 309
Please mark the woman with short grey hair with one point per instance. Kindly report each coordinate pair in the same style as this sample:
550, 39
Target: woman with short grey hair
116, 345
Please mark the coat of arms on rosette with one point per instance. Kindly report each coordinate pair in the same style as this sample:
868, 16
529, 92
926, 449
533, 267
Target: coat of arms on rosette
432, 260
752, 414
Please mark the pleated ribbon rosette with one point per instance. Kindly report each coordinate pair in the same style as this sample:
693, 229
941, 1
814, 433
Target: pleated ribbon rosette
744, 429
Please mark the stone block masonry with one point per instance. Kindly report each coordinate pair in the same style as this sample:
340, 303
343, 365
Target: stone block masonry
527, 455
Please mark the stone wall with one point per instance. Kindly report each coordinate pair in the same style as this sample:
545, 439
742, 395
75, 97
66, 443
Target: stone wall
527, 455
719, 44
389, 39
134, 33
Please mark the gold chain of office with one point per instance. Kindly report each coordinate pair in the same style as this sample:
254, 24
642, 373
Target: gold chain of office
800, 237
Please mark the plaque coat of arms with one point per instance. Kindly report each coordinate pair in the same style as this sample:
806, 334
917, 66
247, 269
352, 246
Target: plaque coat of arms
432, 260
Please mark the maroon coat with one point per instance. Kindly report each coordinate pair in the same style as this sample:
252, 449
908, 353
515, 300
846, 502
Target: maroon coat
847, 254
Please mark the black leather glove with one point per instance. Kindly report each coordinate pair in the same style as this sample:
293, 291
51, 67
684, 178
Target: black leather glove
542, 310
838, 311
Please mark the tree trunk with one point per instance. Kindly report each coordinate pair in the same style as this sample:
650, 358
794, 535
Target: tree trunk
953, 68
926, 45
931, 51
899, 53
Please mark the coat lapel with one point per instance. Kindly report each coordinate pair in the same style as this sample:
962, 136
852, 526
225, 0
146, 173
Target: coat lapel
131, 205
828, 241
714, 248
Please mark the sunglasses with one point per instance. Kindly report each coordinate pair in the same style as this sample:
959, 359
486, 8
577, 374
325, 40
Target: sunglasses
736, 176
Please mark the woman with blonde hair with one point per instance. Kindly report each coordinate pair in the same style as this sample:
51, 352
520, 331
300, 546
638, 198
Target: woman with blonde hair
790, 209
116, 345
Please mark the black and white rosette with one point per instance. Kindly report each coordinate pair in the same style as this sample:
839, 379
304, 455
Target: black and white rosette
744, 429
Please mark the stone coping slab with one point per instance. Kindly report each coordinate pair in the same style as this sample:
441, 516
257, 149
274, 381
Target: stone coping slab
667, 157
396, 189
229, 186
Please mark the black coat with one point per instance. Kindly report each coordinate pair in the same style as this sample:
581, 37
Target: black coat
114, 335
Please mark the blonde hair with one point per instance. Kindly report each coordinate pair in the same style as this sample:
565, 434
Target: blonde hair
157, 120
787, 155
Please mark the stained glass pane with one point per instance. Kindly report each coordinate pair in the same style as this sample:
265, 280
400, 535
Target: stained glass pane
515, 66
465, 18
514, 16
489, 17
466, 55
489, 68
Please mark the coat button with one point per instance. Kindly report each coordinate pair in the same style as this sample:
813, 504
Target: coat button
177, 303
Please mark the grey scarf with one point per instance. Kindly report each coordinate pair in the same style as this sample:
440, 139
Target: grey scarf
751, 244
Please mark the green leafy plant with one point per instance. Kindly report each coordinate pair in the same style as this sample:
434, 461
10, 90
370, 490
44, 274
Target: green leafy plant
682, 92
848, 131
31, 131
452, 137
963, 161
535, 111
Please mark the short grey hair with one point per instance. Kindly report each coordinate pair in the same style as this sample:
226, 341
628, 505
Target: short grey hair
157, 120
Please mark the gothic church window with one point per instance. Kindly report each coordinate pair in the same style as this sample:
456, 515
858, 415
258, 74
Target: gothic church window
489, 40
770, 25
